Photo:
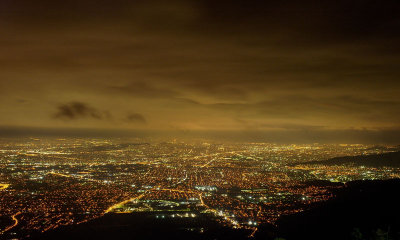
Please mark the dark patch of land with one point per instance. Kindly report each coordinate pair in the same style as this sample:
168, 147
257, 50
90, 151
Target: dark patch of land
360, 210
391, 159
144, 225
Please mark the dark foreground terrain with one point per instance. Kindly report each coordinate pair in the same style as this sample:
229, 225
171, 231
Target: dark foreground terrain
146, 226
361, 210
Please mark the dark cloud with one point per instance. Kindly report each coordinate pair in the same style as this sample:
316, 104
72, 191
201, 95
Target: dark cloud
136, 118
77, 110
143, 89
21, 100
251, 125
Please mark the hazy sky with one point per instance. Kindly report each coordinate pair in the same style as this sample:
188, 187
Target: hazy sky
201, 65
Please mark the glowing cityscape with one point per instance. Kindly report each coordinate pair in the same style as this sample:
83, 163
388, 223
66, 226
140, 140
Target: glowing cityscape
48, 183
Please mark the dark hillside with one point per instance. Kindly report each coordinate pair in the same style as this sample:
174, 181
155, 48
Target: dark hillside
391, 159
361, 210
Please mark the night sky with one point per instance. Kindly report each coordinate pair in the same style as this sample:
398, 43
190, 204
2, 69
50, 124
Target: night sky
311, 68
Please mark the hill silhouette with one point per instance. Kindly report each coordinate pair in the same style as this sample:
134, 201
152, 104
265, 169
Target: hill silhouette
391, 159
361, 210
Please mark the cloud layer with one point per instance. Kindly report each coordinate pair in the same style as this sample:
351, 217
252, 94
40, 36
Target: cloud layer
201, 65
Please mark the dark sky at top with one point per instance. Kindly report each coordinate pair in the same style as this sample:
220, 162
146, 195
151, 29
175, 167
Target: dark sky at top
280, 66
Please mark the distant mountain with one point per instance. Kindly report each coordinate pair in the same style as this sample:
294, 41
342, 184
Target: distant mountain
361, 210
391, 159
385, 148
